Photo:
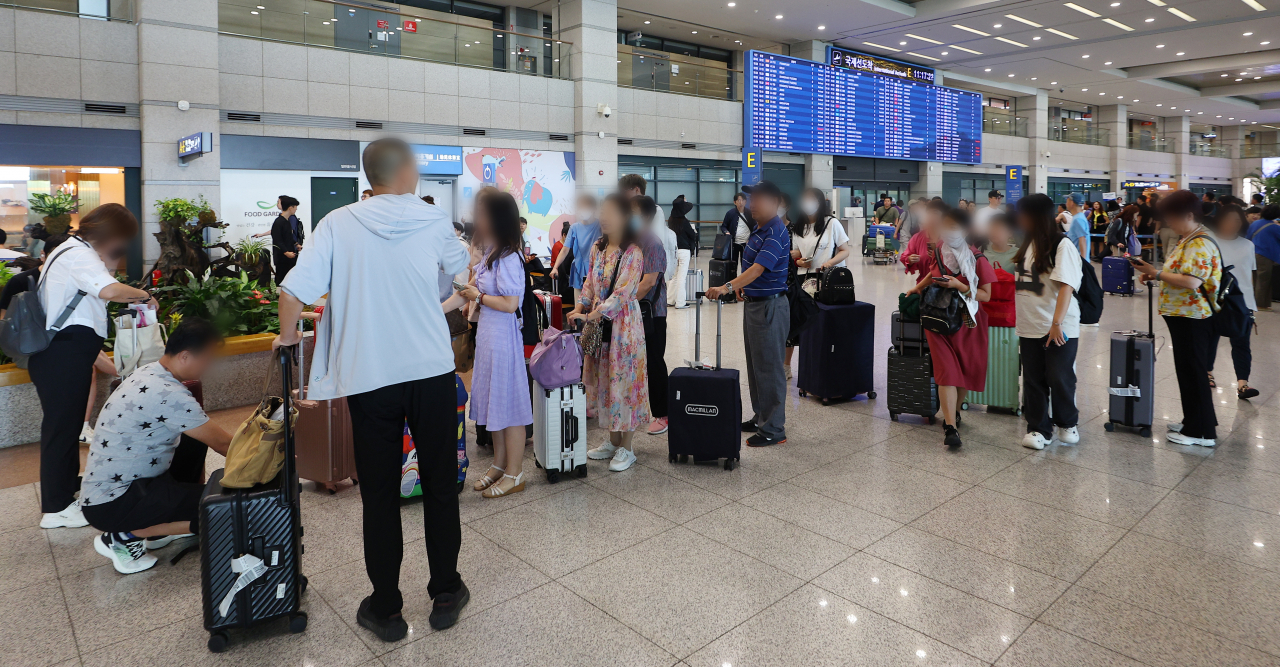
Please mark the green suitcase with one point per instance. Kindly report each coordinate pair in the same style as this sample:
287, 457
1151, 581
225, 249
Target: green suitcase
1003, 370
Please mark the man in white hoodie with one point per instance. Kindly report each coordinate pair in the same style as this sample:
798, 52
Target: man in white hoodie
383, 344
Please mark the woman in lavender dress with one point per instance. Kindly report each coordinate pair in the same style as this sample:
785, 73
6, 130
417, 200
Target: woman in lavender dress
499, 388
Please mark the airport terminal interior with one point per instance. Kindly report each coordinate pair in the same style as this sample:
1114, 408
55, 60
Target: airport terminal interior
861, 538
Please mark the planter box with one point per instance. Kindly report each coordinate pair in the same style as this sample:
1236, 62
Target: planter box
233, 382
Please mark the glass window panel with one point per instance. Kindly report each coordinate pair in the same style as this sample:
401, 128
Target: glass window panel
677, 174
966, 183
665, 191
709, 174
718, 193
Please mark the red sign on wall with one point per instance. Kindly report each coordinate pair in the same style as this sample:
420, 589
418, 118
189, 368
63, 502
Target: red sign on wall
411, 26
383, 25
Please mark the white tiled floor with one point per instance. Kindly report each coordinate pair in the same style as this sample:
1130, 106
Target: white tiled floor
860, 541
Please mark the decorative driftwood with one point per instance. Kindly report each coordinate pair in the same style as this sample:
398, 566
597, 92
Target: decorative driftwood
182, 249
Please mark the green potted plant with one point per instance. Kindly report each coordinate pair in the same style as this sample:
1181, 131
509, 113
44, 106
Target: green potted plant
57, 209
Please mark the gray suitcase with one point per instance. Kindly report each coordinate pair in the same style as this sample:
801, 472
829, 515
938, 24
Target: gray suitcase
1131, 382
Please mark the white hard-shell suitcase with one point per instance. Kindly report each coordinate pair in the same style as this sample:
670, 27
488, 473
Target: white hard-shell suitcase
560, 430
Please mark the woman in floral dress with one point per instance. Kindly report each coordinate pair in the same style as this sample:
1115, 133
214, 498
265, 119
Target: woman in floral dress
617, 387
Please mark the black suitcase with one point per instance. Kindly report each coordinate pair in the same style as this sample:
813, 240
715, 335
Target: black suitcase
1132, 378
704, 405
910, 386
721, 271
908, 337
254, 535
833, 352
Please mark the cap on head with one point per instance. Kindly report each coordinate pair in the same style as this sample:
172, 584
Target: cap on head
995, 194
766, 188
1075, 197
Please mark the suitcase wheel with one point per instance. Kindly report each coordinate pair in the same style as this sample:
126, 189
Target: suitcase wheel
933, 420
964, 405
893, 416
871, 394
1145, 432
1109, 427
302, 584
802, 393
1017, 412
671, 458
826, 401
218, 642
297, 622
684, 458
728, 464
581, 471
536, 462
553, 476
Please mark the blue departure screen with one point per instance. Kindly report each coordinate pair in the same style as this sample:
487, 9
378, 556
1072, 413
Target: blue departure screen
802, 106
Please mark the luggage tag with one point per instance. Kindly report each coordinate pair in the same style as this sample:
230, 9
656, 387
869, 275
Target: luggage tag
1131, 391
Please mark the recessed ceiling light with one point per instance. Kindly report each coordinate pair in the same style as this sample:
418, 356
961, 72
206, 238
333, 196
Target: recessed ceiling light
1226, 75
822, 27
1115, 4
1257, 7
646, 23
733, 4
972, 30
1107, 63
987, 69
1256, 78
1150, 20
902, 43
1181, 14
1137, 100
1085, 56
1264, 43
1248, 34
1119, 97
1232, 118
881, 46
1180, 53
921, 55
1084, 90
966, 50
1159, 46
778, 16
944, 53
1219, 116
1034, 78
253, 12
923, 39
996, 25
1019, 19
1118, 24
1060, 33
1053, 83
1159, 105
1036, 38
695, 32
1158, 3
1102, 93
1200, 113
1010, 41
1011, 76
1238, 80
1082, 10
1243, 73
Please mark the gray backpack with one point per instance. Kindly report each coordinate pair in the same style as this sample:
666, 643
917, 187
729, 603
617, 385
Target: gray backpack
23, 331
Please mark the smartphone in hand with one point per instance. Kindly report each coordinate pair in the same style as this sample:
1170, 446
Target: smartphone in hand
458, 287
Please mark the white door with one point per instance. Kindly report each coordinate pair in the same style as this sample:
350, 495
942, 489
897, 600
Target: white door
441, 190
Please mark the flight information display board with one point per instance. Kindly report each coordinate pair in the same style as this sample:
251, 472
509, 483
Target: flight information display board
802, 106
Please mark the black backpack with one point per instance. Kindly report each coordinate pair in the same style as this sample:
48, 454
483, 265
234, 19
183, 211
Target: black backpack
1089, 296
1232, 318
532, 313
835, 287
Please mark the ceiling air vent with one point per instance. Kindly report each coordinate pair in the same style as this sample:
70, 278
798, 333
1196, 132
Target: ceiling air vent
472, 132
244, 117
689, 146
91, 107
368, 125
559, 137
626, 142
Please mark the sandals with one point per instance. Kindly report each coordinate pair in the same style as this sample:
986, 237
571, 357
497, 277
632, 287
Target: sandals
495, 491
1212, 383
487, 481
1246, 392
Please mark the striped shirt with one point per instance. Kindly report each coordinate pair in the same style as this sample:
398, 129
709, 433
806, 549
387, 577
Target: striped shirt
770, 247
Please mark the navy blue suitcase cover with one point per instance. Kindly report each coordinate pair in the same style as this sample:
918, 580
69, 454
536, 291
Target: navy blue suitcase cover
833, 360
705, 414
1117, 275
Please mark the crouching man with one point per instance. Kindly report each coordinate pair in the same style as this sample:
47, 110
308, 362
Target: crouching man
143, 481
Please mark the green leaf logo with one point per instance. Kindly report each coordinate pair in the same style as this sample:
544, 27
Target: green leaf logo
264, 205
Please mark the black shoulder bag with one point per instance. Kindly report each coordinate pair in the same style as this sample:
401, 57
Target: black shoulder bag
941, 307
1231, 318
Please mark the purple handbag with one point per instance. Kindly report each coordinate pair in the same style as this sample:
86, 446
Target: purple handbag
557, 360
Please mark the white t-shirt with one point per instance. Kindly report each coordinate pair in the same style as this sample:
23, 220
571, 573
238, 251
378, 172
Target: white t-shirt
1238, 253
820, 249
1035, 311
982, 219
743, 232
75, 266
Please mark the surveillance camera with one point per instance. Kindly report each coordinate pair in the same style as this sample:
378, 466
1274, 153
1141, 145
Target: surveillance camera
604, 110
1062, 90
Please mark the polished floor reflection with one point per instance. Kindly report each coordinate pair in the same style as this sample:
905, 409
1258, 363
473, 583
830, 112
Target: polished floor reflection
861, 541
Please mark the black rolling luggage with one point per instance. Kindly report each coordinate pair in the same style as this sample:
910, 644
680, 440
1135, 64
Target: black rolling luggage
704, 405
1131, 382
251, 545
911, 389
721, 271
833, 352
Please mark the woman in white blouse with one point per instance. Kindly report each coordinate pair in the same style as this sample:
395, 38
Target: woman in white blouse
818, 242
75, 278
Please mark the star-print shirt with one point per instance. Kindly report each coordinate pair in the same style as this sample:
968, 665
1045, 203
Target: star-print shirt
137, 432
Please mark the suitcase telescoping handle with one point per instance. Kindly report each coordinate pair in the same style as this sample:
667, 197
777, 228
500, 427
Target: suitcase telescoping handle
697, 329
1151, 304
290, 470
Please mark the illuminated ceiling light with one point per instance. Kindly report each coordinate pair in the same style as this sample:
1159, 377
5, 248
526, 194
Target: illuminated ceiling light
1102, 93
1159, 46
972, 30
921, 55
1158, 3
944, 53
1011, 76
1115, 4
1034, 78
902, 43
1107, 63
1060, 33
976, 53
1019, 19
1053, 83
1119, 97
996, 25
1181, 53
1118, 24
1036, 38
1256, 78
733, 4
1159, 105
1248, 34
695, 32
822, 27
1150, 20
1084, 90
1137, 100
253, 13
1219, 116
1181, 14
923, 39
1083, 10
1257, 7
1264, 43
778, 17
1010, 41
881, 46
987, 69
646, 23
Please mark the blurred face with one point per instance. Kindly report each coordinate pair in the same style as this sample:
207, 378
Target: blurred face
993, 202
191, 365
1025, 223
1229, 226
112, 251
765, 208
932, 223
740, 203
998, 234
481, 221
586, 209
612, 220
1253, 217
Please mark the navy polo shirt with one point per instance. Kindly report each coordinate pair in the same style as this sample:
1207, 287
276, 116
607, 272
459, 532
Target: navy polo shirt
769, 246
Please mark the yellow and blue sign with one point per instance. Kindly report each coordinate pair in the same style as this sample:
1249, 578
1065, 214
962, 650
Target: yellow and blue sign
1012, 184
752, 165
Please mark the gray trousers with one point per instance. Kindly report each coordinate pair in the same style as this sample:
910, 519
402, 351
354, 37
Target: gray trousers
764, 333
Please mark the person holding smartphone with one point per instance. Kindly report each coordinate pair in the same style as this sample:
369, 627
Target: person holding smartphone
1048, 269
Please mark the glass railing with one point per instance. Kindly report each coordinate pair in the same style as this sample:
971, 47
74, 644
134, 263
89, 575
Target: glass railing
670, 73
109, 10
1208, 150
1079, 133
1259, 150
398, 31
1006, 124
1146, 142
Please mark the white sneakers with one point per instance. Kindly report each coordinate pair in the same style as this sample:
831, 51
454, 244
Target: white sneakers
622, 460
128, 557
1178, 438
604, 451
1034, 440
71, 517
1069, 435
86, 433
1175, 427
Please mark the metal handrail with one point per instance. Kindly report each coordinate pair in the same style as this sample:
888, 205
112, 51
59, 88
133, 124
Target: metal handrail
35, 5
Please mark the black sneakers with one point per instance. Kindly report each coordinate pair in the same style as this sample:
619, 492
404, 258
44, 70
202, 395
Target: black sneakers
750, 426
761, 440
953, 436
446, 607
390, 629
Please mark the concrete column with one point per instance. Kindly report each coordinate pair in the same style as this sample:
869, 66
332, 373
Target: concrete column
930, 182
1232, 136
1179, 128
819, 172
1036, 110
1115, 119
592, 27
812, 49
177, 61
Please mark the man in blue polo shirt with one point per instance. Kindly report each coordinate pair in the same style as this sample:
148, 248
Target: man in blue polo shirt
762, 283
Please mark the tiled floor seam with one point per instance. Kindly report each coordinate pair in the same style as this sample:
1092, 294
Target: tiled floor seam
66, 607
678, 659
355, 630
